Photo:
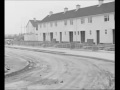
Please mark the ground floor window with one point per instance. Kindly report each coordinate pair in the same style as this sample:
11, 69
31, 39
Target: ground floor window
105, 31
75, 33
78, 32
90, 32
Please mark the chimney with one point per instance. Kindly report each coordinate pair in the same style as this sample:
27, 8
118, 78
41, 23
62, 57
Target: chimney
77, 7
100, 2
34, 19
65, 9
50, 13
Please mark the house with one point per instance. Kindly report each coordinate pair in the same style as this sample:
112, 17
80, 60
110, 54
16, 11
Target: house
32, 30
79, 25
94, 23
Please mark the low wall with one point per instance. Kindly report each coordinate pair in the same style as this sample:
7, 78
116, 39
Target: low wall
73, 45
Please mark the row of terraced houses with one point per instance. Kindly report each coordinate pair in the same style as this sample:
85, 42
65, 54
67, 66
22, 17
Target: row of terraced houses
94, 23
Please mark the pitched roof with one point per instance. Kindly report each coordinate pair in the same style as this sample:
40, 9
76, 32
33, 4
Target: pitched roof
34, 23
87, 11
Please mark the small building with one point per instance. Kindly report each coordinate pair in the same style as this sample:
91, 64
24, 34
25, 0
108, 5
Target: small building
31, 30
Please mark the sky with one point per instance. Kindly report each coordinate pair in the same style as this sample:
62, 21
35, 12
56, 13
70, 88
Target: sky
19, 12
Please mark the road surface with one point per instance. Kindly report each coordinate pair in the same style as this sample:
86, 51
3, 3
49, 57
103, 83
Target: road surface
36, 70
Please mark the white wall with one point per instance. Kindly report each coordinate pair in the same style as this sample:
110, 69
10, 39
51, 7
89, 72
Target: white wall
31, 29
98, 23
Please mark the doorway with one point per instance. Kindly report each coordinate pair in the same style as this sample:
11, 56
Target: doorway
44, 37
60, 36
71, 36
98, 36
51, 36
82, 36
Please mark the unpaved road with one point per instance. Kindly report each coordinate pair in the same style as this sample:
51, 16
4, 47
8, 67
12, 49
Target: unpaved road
51, 71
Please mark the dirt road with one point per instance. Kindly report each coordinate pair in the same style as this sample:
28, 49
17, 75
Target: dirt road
51, 71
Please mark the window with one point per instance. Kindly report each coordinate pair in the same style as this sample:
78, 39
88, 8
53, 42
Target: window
105, 31
37, 28
82, 20
106, 18
90, 20
78, 32
55, 23
65, 22
56, 33
75, 33
65, 33
51, 24
90, 32
71, 22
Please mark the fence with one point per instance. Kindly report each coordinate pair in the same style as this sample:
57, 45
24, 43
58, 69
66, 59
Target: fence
72, 45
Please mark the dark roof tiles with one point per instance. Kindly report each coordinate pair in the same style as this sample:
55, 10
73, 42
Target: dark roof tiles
87, 11
34, 23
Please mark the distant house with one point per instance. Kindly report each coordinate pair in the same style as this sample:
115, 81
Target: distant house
32, 30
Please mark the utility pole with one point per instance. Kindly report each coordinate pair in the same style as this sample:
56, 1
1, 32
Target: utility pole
21, 28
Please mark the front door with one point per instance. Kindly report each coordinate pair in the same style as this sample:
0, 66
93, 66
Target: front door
71, 36
113, 36
51, 36
60, 36
43, 36
98, 36
82, 36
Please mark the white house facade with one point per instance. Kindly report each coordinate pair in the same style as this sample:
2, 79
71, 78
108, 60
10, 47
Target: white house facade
94, 23
32, 30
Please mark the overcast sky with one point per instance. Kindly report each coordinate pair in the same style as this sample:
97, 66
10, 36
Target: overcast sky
17, 13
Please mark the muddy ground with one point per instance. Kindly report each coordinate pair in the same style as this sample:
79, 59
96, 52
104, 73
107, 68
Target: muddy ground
49, 71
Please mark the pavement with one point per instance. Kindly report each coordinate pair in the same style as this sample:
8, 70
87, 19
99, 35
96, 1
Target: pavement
99, 55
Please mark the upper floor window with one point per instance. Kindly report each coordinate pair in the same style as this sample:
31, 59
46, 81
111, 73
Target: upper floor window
105, 31
106, 18
36, 28
71, 22
51, 24
78, 32
56, 23
82, 20
75, 33
90, 20
65, 33
65, 22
